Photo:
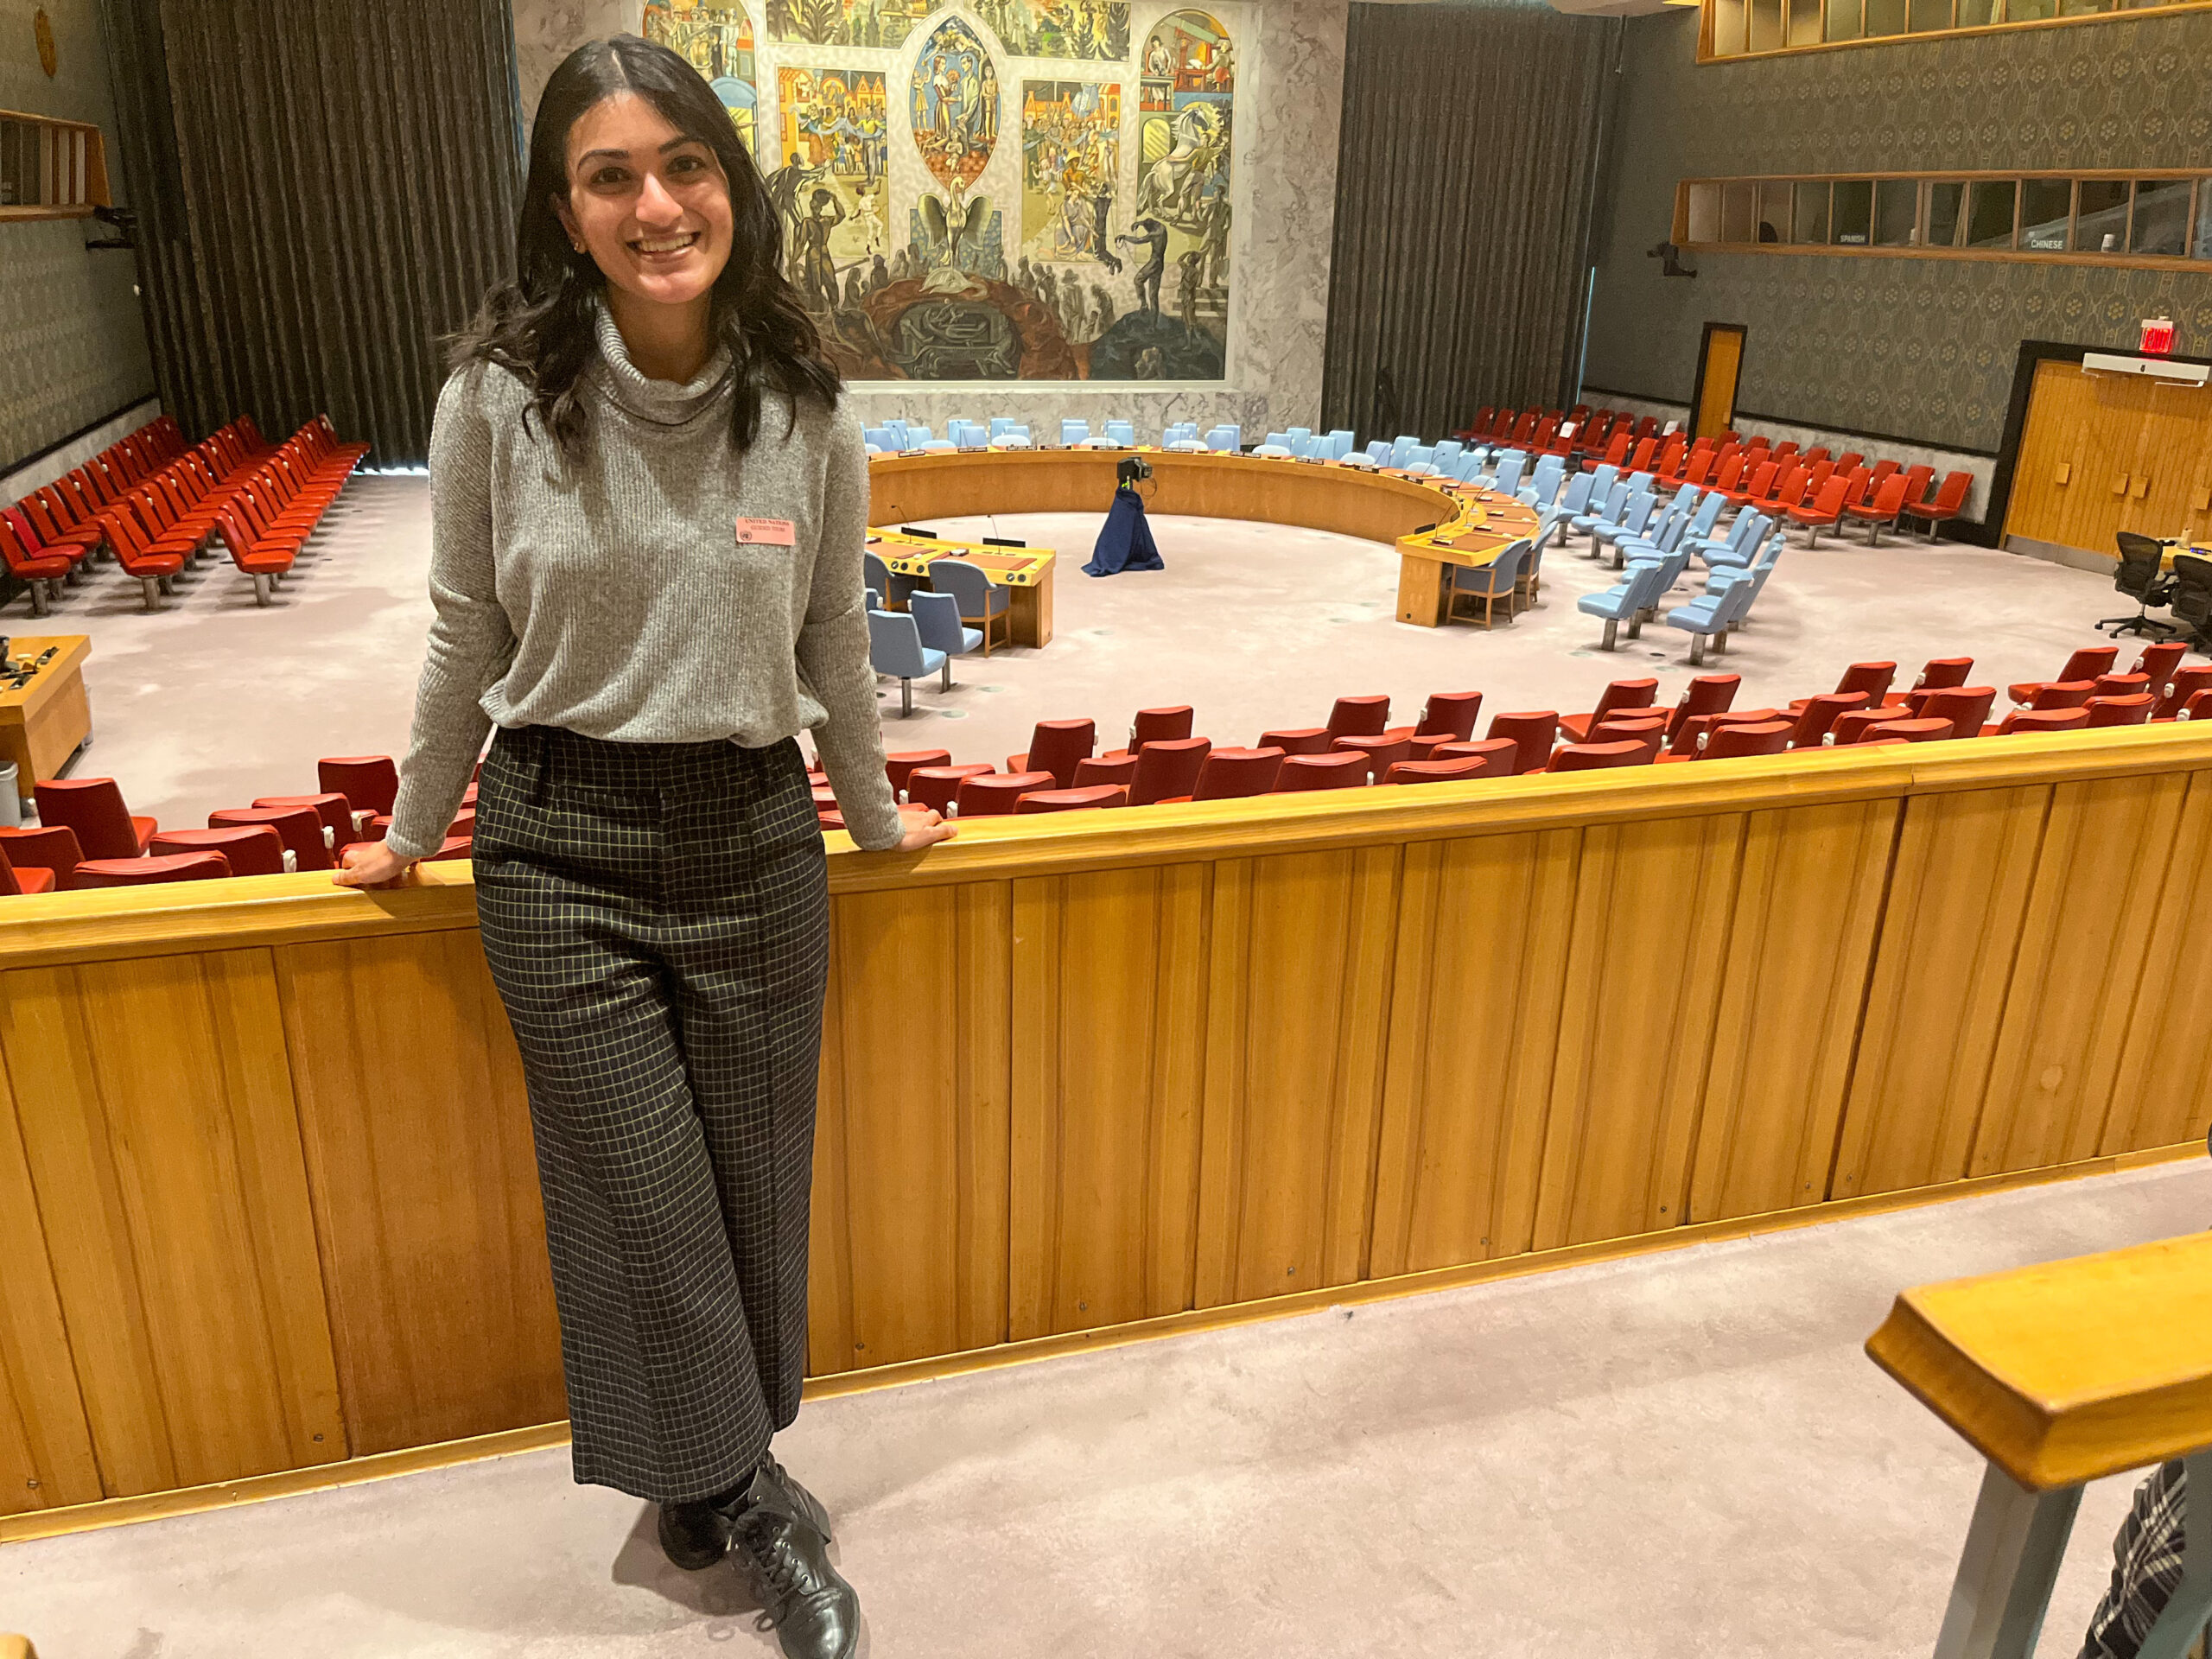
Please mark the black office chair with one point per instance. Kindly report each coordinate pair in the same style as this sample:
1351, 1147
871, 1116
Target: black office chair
2139, 578
2192, 598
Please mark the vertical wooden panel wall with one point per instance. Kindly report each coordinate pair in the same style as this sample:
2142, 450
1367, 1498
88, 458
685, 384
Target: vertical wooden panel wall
265, 1164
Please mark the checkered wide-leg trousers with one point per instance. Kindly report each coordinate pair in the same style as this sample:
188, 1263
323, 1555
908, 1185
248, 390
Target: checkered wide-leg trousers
656, 918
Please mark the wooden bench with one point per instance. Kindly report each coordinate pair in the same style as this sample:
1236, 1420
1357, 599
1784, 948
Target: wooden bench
2059, 1374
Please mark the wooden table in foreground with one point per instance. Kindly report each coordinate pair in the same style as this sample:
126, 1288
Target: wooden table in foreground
45, 722
1025, 572
2058, 1374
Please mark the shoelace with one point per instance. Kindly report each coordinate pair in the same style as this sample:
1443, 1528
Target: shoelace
779, 1567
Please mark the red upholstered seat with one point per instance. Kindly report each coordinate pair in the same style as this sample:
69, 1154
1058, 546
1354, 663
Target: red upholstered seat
94, 808
1595, 757
1298, 739
1532, 730
937, 787
1056, 745
1442, 772
300, 828
1234, 774
1071, 800
248, 848
149, 871
994, 794
371, 782
898, 767
1167, 768
1343, 769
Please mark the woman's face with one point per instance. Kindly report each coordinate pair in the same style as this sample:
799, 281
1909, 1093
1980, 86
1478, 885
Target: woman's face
651, 206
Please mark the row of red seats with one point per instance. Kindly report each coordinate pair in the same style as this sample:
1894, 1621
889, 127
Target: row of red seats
159, 513
1165, 763
1807, 486
47, 535
1553, 431
87, 835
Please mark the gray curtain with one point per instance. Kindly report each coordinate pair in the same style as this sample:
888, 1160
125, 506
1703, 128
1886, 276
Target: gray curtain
325, 187
1474, 133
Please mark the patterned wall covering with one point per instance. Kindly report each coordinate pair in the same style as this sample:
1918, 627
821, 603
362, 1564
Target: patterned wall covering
1920, 349
1140, 119
71, 334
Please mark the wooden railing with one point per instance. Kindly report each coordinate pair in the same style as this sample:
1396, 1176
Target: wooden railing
1089, 1074
2058, 1374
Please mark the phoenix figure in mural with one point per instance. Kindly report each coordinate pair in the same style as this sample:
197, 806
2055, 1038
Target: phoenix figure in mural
952, 227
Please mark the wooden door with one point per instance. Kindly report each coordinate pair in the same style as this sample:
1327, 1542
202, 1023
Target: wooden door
2103, 452
2172, 462
1720, 366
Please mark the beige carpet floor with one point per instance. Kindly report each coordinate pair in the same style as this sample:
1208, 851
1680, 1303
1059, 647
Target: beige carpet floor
213, 702
1683, 1456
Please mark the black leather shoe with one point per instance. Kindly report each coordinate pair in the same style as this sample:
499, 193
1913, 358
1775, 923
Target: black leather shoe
809, 1505
694, 1535
814, 1610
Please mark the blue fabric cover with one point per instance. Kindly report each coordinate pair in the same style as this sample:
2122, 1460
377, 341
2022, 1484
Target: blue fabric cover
1125, 543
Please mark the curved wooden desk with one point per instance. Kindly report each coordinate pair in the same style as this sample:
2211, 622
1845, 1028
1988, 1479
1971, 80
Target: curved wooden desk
1433, 525
266, 1158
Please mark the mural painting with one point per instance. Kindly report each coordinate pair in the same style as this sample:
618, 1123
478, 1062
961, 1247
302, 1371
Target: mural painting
1071, 156
1097, 30
846, 22
718, 41
1177, 236
828, 191
1103, 266
955, 105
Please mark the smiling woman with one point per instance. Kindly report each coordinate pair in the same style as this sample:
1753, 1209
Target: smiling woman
648, 508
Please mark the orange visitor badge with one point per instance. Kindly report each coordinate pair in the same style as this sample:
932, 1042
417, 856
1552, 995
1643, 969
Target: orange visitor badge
766, 532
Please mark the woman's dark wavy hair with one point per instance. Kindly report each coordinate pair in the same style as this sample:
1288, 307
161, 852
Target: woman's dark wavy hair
541, 325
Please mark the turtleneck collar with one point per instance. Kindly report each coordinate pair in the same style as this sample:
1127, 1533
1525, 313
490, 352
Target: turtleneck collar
661, 401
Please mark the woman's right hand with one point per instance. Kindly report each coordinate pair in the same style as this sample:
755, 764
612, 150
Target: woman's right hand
372, 864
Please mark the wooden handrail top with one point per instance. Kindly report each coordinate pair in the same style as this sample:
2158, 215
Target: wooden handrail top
2066, 1371
283, 909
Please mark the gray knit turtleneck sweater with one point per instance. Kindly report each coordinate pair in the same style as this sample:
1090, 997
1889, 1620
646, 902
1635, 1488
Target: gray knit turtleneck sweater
610, 596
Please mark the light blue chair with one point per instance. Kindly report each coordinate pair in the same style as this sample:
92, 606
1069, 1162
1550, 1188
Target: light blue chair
1733, 548
937, 620
1508, 481
939, 447
981, 600
1605, 511
1449, 451
1272, 451
1745, 551
1225, 439
917, 437
1340, 443
1639, 589
1298, 432
1123, 433
875, 575
1635, 521
1576, 497
1709, 619
1015, 436
1542, 488
1001, 424
1499, 580
878, 437
1402, 448
1379, 453
1276, 440
895, 649
1073, 431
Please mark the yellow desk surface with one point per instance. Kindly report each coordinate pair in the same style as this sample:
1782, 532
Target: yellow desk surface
42, 723
2066, 1371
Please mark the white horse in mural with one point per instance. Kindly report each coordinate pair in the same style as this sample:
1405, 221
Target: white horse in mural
1170, 187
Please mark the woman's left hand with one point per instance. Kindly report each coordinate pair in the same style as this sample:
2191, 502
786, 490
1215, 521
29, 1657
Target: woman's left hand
925, 826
